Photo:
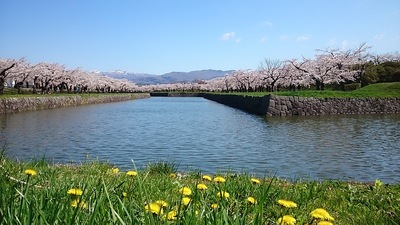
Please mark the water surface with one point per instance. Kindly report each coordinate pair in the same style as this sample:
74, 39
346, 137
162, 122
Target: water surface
198, 134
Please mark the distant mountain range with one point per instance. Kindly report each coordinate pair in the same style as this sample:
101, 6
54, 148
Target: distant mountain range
173, 77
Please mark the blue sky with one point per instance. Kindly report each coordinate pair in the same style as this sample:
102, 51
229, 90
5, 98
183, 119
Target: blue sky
158, 37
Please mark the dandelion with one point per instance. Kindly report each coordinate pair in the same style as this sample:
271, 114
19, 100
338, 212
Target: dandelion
131, 173
162, 203
154, 208
320, 213
185, 191
207, 177
171, 215
214, 206
115, 170
186, 200
378, 183
287, 204
172, 175
75, 203
75, 192
324, 223
252, 200
30, 172
255, 181
201, 186
124, 194
287, 220
219, 180
223, 194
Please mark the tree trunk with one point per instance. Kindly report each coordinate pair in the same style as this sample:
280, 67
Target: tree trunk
319, 85
3, 78
1, 85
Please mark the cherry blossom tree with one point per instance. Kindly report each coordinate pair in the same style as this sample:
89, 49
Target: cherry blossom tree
21, 74
272, 72
333, 66
5, 66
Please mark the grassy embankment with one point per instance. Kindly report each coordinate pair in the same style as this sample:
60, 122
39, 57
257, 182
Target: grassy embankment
96, 193
380, 90
13, 93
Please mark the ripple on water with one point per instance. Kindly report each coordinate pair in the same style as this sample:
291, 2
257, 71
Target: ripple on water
200, 134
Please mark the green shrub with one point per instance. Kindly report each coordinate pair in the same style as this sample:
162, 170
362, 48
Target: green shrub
352, 87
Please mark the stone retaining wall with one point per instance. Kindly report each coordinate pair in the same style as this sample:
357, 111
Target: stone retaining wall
250, 104
282, 106
174, 94
272, 105
11, 105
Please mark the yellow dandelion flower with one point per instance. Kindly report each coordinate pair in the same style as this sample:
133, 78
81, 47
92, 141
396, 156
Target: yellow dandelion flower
252, 200
115, 170
131, 173
77, 202
324, 223
287, 220
172, 175
214, 206
30, 172
219, 180
255, 181
207, 177
162, 203
320, 213
223, 194
154, 208
185, 191
287, 204
186, 200
202, 186
171, 215
75, 192
124, 194
378, 183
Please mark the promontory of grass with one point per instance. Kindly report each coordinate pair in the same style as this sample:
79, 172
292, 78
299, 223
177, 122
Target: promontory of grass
380, 90
95, 192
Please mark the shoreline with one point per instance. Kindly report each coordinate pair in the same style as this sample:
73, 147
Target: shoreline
268, 105
19, 104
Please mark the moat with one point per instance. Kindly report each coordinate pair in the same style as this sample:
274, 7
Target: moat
198, 134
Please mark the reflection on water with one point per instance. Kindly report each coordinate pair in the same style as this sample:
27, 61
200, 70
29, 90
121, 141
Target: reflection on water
199, 134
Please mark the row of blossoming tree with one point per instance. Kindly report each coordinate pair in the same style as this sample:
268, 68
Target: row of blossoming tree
331, 66
52, 77
328, 67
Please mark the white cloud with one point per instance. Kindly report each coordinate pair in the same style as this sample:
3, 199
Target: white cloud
345, 45
228, 36
332, 42
237, 40
284, 38
267, 23
396, 38
303, 38
263, 40
379, 37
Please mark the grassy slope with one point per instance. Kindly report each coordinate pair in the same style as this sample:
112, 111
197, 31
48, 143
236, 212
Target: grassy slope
381, 90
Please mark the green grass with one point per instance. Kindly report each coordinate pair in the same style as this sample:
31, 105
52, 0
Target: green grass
13, 93
380, 90
111, 197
